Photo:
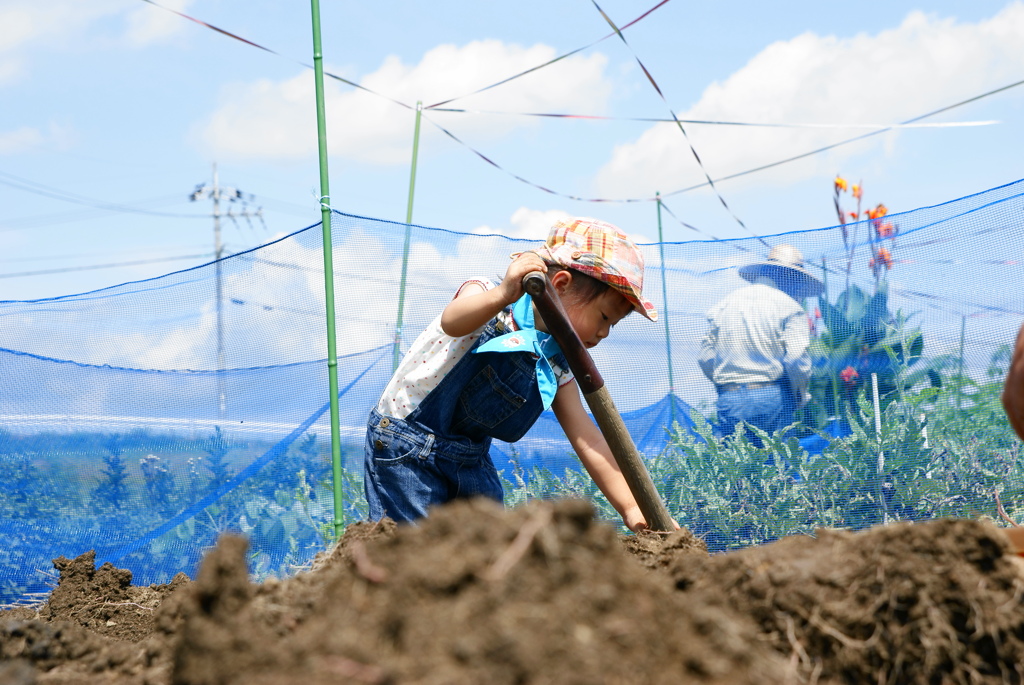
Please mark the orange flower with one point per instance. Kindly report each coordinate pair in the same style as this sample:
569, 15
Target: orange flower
886, 230
885, 258
857, 191
849, 375
854, 215
840, 183
881, 210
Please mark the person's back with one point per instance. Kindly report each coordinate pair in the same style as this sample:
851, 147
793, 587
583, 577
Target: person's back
755, 350
746, 327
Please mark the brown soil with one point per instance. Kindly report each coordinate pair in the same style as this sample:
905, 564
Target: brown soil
544, 594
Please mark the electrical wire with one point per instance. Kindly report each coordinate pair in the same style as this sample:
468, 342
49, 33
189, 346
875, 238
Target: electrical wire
91, 267
64, 196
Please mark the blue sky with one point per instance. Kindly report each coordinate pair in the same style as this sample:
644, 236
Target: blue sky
116, 109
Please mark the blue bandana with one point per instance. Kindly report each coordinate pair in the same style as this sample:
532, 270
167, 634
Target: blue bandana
529, 339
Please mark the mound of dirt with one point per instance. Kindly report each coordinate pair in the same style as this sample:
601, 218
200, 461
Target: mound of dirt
936, 602
544, 594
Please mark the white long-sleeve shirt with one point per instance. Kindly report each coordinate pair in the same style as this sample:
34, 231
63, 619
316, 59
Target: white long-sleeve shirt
755, 334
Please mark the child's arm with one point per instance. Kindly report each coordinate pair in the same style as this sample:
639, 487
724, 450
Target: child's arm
474, 306
597, 458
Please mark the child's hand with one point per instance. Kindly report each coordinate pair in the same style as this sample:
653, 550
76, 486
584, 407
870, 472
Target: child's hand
512, 284
635, 521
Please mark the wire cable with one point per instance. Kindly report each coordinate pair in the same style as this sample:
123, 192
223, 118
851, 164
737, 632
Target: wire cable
91, 267
56, 194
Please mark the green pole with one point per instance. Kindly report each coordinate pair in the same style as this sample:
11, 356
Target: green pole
325, 220
396, 356
960, 389
833, 374
664, 316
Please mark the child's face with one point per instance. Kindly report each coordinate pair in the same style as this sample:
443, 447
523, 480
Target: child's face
593, 321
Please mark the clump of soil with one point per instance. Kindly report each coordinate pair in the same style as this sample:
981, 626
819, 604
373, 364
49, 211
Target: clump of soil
545, 594
936, 602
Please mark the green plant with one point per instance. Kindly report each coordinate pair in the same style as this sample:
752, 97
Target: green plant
216, 449
861, 338
112, 490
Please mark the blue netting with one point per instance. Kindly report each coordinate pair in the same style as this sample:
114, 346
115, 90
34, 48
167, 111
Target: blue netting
125, 431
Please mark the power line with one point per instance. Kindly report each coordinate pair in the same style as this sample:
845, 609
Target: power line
91, 267
64, 196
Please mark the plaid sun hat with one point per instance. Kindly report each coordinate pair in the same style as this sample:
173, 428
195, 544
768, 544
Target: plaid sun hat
603, 251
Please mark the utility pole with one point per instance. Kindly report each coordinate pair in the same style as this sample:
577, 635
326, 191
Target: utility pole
216, 193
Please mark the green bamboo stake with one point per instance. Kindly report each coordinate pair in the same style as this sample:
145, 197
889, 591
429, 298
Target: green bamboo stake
396, 356
833, 381
960, 388
325, 220
664, 315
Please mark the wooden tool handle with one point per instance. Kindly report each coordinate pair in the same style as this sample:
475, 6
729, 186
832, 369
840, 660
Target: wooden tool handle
600, 402
550, 307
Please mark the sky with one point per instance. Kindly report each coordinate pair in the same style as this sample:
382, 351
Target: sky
115, 111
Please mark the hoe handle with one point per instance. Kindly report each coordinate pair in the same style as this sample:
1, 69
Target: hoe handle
600, 402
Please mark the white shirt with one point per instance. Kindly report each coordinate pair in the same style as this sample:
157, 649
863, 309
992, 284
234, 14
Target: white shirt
756, 334
432, 355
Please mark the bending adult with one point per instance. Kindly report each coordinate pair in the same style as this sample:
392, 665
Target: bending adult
755, 350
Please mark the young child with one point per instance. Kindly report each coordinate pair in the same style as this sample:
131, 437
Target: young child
486, 368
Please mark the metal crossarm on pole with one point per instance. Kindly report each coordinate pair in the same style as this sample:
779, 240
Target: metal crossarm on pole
216, 193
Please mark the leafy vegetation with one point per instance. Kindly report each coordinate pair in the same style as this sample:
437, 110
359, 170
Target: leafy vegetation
941, 452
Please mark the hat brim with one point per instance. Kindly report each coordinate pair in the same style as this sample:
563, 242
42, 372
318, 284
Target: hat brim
639, 302
795, 281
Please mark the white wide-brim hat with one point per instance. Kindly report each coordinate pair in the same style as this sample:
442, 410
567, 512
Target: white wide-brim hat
785, 266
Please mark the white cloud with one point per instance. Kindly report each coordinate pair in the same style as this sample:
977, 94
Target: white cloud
56, 136
534, 224
923, 64
19, 139
528, 224
148, 24
28, 23
268, 119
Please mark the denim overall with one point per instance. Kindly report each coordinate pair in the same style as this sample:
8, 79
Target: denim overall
440, 451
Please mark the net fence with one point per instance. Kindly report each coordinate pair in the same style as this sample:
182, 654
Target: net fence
142, 420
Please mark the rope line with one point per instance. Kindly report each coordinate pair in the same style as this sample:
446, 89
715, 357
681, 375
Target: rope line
525, 180
682, 223
711, 122
848, 140
548, 63
682, 129
278, 54
909, 123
